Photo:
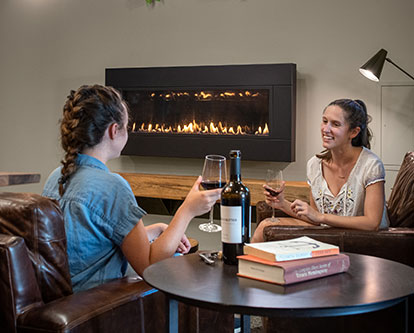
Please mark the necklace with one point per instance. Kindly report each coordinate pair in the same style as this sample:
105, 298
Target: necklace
344, 172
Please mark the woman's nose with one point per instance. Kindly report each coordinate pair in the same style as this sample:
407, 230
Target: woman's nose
326, 128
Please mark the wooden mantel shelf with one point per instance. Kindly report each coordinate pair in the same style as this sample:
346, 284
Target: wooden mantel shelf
176, 187
16, 178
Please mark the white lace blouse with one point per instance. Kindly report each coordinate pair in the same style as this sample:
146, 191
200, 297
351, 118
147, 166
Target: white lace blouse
350, 200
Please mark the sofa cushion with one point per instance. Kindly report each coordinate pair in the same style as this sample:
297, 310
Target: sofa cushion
401, 201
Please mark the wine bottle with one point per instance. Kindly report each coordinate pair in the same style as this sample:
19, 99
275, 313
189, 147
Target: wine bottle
235, 213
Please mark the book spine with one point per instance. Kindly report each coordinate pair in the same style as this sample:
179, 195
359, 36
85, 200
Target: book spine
257, 278
333, 265
293, 256
305, 255
327, 252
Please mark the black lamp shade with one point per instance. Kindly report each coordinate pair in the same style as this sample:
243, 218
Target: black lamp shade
373, 67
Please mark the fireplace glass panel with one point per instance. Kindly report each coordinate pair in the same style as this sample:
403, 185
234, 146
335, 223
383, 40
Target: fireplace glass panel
201, 111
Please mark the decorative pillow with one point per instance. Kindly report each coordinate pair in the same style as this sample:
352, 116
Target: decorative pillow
401, 201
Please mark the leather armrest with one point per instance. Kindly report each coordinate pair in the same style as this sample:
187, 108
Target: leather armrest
395, 243
111, 307
18, 286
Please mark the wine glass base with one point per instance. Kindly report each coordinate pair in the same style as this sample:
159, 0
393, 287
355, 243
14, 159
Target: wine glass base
272, 219
209, 227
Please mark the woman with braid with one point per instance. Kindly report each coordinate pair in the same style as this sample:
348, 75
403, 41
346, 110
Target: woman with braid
346, 179
103, 222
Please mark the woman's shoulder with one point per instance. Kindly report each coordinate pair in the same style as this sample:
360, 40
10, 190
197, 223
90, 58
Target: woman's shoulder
54, 175
371, 166
314, 162
369, 158
103, 179
50, 188
313, 168
368, 154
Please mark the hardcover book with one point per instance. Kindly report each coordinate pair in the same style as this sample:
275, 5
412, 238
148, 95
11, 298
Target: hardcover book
290, 249
291, 271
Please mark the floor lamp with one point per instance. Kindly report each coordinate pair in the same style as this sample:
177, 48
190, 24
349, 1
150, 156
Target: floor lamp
373, 67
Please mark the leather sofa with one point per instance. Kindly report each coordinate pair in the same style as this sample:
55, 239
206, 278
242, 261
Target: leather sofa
36, 292
395, 243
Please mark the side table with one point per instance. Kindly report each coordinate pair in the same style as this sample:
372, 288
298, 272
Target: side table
370, 284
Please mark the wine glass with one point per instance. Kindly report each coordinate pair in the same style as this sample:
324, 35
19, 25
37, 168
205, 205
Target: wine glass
274, 180
214, 176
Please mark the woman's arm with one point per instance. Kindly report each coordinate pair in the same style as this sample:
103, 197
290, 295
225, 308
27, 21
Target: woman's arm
278, 202
373, 210
154, 230
136, 247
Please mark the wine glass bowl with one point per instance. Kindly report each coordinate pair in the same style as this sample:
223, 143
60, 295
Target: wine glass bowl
214, 176
274, 182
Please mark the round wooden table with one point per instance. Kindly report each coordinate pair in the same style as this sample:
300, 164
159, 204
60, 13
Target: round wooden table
370, 284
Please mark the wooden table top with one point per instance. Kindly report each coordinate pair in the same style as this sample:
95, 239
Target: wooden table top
370, 284
177, 187
17, 178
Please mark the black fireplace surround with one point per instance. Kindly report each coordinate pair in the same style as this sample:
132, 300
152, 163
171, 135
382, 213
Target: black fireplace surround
197, 110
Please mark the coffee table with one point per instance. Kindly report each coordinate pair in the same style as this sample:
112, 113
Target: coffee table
370, 284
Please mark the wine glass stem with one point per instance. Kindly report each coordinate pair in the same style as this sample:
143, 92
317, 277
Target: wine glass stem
212, 215
273, 212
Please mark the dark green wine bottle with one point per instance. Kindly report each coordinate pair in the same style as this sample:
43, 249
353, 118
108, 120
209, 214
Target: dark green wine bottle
235, 213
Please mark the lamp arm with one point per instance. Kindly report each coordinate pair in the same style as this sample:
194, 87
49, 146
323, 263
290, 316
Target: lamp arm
392, 62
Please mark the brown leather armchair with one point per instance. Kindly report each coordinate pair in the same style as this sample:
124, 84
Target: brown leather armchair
35, 287
36, 292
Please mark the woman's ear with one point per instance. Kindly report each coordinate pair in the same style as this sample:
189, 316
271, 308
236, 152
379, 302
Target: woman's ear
354, 132
113, 130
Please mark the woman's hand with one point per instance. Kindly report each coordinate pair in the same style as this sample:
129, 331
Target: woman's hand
306, 212
156, 229
274, 201
184, 245
199, 202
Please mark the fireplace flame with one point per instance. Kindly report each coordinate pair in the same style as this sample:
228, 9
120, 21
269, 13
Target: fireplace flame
196, 128
204, 95
260, 132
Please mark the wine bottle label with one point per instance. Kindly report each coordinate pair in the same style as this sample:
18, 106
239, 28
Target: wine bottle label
231, 224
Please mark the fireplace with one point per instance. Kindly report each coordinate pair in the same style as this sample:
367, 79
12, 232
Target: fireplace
194, 111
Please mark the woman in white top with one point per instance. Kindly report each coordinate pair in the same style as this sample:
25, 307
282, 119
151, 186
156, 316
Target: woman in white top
346, 179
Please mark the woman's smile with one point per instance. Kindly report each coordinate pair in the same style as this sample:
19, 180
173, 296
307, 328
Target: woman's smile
334, 128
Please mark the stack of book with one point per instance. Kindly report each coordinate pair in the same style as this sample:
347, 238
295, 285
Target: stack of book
290, 261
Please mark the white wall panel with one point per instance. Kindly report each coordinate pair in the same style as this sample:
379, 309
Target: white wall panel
397, 132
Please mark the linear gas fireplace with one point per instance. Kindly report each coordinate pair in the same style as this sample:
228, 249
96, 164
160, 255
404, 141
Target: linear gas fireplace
194, 111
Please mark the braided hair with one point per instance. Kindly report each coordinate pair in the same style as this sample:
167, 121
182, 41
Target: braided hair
87, 114
356, 116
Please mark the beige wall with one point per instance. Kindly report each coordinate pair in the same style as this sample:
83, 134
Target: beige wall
48, 47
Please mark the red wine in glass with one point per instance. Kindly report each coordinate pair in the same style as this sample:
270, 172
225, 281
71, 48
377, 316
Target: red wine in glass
273, 193
214, 176
210, 185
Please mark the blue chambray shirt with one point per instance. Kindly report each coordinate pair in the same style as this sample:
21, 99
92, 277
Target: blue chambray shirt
99, 209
